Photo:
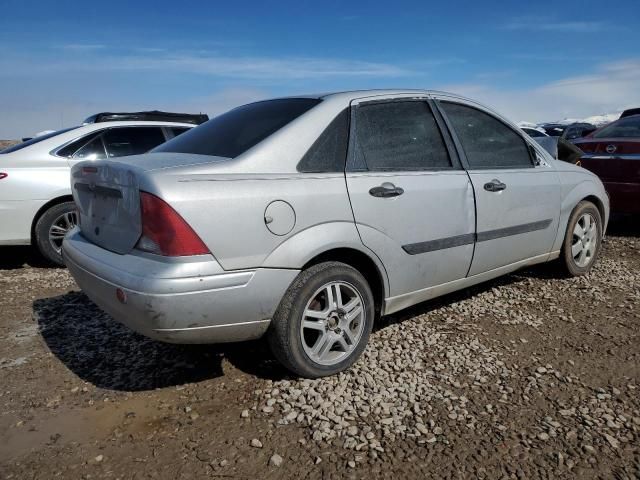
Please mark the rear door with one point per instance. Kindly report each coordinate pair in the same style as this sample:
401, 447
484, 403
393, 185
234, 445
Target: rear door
517, 202
412, 201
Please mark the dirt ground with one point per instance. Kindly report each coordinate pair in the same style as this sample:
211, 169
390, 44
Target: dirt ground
83, 397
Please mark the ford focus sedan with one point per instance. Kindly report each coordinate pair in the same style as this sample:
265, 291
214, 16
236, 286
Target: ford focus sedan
307, 218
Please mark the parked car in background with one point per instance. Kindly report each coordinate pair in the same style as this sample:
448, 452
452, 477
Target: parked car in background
613, 153
629, 112
36, 206
534, 132
306, 218
568, 131
553, 129
577, 130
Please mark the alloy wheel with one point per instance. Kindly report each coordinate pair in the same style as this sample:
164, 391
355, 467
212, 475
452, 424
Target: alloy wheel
332, 323
585, 240
59, 228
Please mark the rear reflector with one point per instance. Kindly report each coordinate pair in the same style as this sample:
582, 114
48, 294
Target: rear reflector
164, 231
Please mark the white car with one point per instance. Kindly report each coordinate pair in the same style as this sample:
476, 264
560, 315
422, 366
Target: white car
36, 206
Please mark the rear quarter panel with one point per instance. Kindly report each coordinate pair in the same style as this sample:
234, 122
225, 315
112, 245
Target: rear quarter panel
30, 184
228, 213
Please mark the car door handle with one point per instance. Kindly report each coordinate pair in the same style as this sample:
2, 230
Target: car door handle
494, 185
386, 190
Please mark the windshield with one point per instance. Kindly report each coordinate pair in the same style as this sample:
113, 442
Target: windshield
236, 131
35, 140
628, 127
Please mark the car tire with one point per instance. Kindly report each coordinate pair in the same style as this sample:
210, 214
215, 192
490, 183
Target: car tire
311, 346
582, 240
50, 229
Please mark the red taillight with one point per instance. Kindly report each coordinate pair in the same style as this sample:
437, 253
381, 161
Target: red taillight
164, 231
3, 175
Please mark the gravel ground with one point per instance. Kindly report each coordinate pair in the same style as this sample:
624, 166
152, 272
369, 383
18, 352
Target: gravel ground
529, 376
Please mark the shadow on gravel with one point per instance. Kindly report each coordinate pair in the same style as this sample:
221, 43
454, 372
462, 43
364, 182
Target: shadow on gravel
12, 258
109, 355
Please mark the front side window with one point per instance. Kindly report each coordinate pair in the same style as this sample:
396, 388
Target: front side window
399, 136
233, 133
487, 142
627, 127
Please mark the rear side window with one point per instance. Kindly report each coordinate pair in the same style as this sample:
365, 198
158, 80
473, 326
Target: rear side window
236, 131
628, 127
487, 142
329, 152
121, 142
69, 150
94, 150
399, 136
175, 131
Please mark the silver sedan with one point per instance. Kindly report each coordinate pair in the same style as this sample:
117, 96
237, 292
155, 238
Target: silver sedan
307, 218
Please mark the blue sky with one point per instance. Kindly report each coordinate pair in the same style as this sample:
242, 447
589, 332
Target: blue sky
62, 61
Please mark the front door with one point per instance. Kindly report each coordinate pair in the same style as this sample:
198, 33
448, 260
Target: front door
517, 202
412, 201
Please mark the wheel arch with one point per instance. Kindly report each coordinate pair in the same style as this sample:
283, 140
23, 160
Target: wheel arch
43, 209
363, 263
601, 208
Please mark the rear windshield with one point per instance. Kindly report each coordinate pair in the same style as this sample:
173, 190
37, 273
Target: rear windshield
628, 127
236, 131
20, 146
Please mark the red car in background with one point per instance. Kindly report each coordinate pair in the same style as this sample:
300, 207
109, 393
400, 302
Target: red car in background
613, 153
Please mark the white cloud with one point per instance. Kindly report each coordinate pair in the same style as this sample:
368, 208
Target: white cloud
545, 24
82, 47
612, 87
257, 68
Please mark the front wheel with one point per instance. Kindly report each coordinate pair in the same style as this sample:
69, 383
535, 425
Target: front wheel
582, 240
51, 228
324, 320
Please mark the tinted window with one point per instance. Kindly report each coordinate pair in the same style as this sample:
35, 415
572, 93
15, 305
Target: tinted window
76, 145
400, 136
178, 130
628, 127
329, 152
94, 150
121, 142
236, 131
487, 142
20, 146
533, 132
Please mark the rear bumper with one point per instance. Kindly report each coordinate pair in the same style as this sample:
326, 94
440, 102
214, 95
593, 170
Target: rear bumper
190, 300
624, 197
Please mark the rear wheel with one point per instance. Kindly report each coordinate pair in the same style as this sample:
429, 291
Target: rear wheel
324, 320
582, 240
51, 228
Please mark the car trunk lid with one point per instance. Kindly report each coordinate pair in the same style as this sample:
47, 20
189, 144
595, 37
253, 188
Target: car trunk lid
613, 160
108, 199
